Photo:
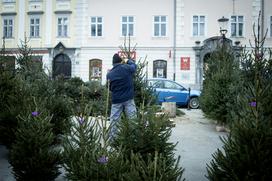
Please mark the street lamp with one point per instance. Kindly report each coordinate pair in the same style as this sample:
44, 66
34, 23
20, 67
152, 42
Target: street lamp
223, 23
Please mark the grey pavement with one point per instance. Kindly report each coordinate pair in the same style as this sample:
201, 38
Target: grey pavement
197, 141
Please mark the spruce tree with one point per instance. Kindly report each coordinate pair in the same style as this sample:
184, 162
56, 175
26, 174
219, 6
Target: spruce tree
247, 151
145, 139
86, 152
221, 84
33, 155
14, 97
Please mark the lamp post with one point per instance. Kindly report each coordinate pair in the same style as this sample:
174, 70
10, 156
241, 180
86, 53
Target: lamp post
223, 23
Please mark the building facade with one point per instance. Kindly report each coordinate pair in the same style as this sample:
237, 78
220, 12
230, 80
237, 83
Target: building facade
79, 37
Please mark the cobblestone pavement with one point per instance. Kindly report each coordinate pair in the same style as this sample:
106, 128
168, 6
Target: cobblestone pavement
196, 137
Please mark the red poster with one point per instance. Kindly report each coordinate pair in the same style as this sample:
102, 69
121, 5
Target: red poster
185, 63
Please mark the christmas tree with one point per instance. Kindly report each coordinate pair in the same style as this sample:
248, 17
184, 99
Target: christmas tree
145, 141
33, 155
247, 151
220, 85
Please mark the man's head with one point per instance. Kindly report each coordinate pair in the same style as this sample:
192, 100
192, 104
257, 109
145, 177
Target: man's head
116, 59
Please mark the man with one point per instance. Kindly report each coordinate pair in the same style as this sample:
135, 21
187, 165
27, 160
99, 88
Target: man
120, 78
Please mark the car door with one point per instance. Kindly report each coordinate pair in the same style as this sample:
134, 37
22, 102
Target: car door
157, 85
173, 92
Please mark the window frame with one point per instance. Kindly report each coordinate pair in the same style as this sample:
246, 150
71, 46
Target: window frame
95, 64
160, 23
198, 24
62, 35
96, 24
35, 27
236, 23
127, 24
159, 66
8, 18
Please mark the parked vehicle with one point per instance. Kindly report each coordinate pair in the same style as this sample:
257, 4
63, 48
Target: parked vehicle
171, 91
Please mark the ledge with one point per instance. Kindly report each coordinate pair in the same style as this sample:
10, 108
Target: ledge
63, 12
9, 14
34, 12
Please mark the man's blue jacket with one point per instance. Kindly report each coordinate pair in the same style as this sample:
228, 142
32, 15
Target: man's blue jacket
121, 81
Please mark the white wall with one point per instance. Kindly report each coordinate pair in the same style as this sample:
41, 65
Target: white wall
142, 10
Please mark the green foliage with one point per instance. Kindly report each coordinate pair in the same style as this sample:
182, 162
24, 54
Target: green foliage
85, 156
143, 93
32, 155
85, 146
155, 168
81, 150
61, 110
15, 98
148, 135
81, 93
247, 151
18, 90
221, 85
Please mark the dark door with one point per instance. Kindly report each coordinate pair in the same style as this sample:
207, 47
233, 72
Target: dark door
62, 66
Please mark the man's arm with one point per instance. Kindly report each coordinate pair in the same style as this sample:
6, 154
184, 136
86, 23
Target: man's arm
132, 66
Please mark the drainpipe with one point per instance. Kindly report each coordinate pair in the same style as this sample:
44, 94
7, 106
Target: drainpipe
174, 40
262, 18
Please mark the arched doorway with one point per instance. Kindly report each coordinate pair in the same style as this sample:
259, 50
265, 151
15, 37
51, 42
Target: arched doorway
62, 66
203, 53
95, 70
160, 69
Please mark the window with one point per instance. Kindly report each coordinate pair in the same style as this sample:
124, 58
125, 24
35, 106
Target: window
270, 26
8, 27
159, 68
172, 85
237, 26
96, 26
62, 26
159, 26
198, 25
155, 83
127, 26
34, 27
95, 68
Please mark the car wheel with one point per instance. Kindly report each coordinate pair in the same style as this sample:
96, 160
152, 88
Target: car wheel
194, 103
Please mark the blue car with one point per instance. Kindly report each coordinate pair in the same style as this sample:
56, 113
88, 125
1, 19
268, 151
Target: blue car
170, 91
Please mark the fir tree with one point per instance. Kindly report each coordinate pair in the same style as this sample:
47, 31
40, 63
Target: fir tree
247, 151
220, 85
17, 90
33, 156
147, 137
86, 155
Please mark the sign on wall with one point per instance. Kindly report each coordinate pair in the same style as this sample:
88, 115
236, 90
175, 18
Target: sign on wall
185, 63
